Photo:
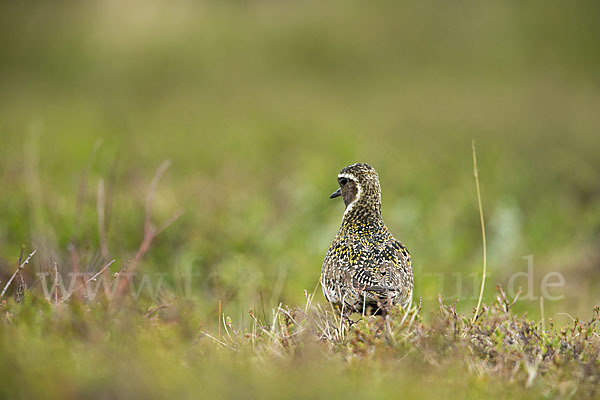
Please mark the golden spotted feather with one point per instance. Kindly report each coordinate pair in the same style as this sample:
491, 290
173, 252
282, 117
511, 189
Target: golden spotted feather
365, 268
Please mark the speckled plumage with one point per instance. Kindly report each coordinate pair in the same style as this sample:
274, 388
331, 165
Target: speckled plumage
365, 268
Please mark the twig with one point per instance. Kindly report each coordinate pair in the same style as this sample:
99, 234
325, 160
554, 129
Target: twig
476, 175
22, 286
515, 299
21, 255
99, 272
83, 184
151, 193
20, 267
100, 206
74, 257
150, 231
176, 215
160, 307
91, 279
55, 283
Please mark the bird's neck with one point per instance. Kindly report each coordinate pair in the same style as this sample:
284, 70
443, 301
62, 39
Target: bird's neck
363, 213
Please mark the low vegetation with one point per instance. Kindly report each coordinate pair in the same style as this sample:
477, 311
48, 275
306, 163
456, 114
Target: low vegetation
81, 348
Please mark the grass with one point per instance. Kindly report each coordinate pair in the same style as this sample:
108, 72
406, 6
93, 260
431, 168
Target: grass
258, 105
296, 351
90, 349
484, 242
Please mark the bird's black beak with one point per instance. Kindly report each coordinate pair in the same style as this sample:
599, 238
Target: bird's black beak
335, 194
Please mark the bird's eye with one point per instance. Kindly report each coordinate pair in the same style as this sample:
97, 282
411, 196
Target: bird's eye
343, 181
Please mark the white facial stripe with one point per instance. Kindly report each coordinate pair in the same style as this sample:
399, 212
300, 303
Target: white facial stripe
358, 193
348, 176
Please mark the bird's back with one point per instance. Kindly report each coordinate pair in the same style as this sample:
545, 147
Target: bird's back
366, 268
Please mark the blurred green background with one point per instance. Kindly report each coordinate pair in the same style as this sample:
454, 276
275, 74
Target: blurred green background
259, 104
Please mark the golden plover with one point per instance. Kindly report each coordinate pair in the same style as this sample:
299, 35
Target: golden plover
365, 269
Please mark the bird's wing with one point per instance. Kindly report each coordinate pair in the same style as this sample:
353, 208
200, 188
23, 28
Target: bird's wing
335, 278
404, 273
384, 270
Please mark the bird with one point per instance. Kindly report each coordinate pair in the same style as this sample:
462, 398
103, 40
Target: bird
365, 270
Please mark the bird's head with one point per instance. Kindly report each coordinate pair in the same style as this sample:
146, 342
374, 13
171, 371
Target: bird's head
360, 190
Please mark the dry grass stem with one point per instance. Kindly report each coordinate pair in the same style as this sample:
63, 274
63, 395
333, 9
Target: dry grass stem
101, 208
482, 221
19, 268
150, 233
